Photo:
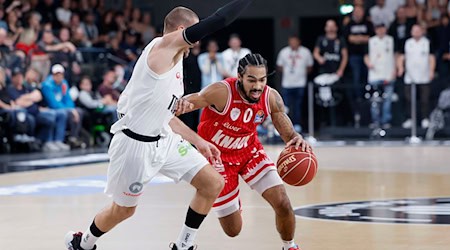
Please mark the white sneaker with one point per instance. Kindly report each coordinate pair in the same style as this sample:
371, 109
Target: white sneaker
50, 147
407, 124
62, 146
425, 123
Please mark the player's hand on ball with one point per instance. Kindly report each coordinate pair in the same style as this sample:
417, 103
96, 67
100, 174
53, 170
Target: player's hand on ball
210, 152
298, 141
183, 106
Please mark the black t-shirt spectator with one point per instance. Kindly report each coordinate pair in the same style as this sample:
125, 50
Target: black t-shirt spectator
331, 50
361, 28
400, 32
14, 94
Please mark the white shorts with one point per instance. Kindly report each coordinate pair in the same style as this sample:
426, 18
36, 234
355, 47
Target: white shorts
134, 163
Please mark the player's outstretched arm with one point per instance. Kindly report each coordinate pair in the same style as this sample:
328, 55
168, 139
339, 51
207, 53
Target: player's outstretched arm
215, 95
283, 124
208, 150
220, 19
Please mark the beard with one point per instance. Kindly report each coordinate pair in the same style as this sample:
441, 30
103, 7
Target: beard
246, 96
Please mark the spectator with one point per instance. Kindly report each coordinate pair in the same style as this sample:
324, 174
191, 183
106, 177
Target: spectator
27, 48
331, 51
14, 26
418, 63
129, 46
106, 89
211, 64
357, 32
295, 62
90, 28
47, 9
232, 55
93, 102
45, 121
8, 59
55, 90
393, 5
380, 61
34, 21
59, 50
63, 13
381, 14
400, 29
147, 29
412, 11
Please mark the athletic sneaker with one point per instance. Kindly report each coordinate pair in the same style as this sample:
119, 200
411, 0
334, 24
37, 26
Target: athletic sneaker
173, 246
72, 241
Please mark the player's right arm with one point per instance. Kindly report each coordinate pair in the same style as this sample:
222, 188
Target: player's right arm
214, 95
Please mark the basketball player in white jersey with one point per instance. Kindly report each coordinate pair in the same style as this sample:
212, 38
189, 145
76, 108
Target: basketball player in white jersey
148, 139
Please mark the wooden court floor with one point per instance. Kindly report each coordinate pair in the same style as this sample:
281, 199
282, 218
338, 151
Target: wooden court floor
32, 219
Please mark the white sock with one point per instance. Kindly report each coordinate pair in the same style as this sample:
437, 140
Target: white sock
288, 244
88, 240
186, 237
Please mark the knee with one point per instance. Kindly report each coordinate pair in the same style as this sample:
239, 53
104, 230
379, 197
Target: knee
232, 232
283, 207
215, 186
123, 213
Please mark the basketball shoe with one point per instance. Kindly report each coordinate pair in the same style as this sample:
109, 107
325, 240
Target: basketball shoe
173, 246
73, 240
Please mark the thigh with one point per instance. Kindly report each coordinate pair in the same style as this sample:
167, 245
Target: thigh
132, 165
182, 160
256, 167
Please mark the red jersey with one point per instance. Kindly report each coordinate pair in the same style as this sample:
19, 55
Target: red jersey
233, 130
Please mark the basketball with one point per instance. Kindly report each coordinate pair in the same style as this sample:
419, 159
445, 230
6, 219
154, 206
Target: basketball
296, 167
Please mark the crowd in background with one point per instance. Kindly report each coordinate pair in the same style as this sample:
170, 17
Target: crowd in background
64, 63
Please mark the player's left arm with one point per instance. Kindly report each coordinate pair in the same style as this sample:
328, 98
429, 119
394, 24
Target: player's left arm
208, 150
283, 124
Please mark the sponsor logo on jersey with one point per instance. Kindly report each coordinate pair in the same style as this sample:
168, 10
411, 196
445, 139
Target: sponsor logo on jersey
259, 117
235, 113
407, 211
231, 127
229, 142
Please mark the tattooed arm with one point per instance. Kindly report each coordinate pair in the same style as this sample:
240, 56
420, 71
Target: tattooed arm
283, 124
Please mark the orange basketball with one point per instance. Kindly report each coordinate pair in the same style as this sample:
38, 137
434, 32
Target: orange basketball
296, 167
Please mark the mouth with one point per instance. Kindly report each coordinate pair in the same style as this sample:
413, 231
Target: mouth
255, 94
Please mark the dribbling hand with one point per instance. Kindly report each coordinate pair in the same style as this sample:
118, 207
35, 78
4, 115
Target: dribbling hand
183, 106
298, 141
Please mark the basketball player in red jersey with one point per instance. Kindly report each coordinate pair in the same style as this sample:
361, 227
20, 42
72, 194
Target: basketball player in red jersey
233, 109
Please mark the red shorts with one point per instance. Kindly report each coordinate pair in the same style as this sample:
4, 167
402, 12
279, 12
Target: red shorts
251, 170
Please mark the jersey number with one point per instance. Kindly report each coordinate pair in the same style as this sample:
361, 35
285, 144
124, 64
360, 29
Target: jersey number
248, 115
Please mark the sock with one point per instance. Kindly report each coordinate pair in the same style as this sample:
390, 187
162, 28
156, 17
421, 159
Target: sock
90, 237
189, 229
186, 237
288, 244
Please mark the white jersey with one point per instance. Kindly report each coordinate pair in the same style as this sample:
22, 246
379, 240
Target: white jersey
417, 53
381, 56
147, 104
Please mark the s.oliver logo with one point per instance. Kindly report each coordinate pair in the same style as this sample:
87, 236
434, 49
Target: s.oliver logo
409, 211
